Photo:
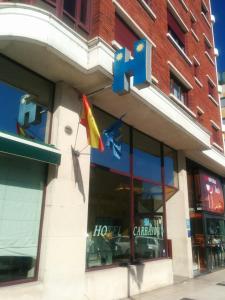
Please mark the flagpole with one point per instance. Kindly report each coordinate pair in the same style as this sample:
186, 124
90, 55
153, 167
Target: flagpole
78, 126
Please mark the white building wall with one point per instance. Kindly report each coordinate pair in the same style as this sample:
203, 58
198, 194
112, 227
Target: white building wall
177, 209
122, 282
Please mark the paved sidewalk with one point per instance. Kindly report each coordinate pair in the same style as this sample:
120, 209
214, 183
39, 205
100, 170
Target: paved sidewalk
204, 287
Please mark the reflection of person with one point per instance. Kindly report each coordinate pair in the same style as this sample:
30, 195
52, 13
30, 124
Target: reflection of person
105, 248
215, 250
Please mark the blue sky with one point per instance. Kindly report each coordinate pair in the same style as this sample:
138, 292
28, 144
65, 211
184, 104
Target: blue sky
218, 9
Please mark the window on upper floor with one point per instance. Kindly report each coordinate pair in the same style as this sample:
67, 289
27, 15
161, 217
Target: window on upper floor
215, 137
75, 13
124, 35
199, 116
196, 69
149, 2
175, 30
193, 22
204, 9
211, 89
208, 46
178, 90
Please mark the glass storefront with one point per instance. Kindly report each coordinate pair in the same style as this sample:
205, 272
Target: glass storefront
127, 198
206, 204
12, 102
26, 101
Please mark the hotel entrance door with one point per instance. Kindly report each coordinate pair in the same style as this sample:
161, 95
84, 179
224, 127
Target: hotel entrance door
214, 227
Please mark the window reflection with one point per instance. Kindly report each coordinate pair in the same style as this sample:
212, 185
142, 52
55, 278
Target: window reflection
147, 157
108, 221
115, 234
11, 101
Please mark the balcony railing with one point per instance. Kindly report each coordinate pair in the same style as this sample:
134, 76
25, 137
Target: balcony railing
75, 13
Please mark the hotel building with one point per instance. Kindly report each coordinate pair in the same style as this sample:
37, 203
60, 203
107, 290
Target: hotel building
77, 223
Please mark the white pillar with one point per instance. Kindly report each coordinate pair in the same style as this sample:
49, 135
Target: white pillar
62, 264
177, 219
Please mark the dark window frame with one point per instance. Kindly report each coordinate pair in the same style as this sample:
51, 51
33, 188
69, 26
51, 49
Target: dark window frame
60, 12
196, 67
175, 30
183, 90
211, 89
215, 135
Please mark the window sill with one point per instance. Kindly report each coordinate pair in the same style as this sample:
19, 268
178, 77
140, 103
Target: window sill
213, 100
119, 265
198, 82
211, 81
195, 35
181, 51
200, 110
148, 9
182, 105
217, 146
184, 5
215, 125
206, 20
117, 46
209, 58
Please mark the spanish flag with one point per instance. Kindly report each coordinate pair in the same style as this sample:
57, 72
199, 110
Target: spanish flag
22, 132
87, 120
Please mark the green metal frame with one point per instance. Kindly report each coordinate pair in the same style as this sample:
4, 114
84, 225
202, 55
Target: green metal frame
19, 146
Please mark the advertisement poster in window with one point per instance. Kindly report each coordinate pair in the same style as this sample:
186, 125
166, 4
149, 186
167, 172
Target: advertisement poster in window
212, 199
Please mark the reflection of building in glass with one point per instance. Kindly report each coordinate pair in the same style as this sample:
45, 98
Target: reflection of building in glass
79, 223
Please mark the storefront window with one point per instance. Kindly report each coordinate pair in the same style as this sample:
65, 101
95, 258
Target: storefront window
26, 101
170, 171
108, 223
21, 114
147, 157
148, 197
21, 192
126, 198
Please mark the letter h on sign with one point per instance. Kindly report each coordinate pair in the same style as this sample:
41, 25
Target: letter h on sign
139, 67
29, 112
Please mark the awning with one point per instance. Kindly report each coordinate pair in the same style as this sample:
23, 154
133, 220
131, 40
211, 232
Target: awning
15, 145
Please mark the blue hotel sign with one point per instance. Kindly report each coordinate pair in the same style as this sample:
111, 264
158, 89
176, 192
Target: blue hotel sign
139, 67
29, 112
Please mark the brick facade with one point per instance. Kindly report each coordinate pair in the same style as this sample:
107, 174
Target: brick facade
103, 25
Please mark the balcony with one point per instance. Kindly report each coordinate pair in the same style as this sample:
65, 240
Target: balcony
75, 13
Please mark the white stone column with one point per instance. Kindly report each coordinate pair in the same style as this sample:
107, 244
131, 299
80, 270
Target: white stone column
177, 217
62, 263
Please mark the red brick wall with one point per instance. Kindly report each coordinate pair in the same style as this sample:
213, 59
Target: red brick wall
103, 24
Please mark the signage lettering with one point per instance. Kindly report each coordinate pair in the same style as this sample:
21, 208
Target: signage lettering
101, 230
146, 231
29, 112
139, 67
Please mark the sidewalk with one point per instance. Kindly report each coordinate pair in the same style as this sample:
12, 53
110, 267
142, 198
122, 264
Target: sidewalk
204, 287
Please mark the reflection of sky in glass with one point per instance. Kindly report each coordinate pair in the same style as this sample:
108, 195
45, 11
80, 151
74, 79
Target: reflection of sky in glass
150, 191
9, 102
169, 170
147, 166
107, 159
